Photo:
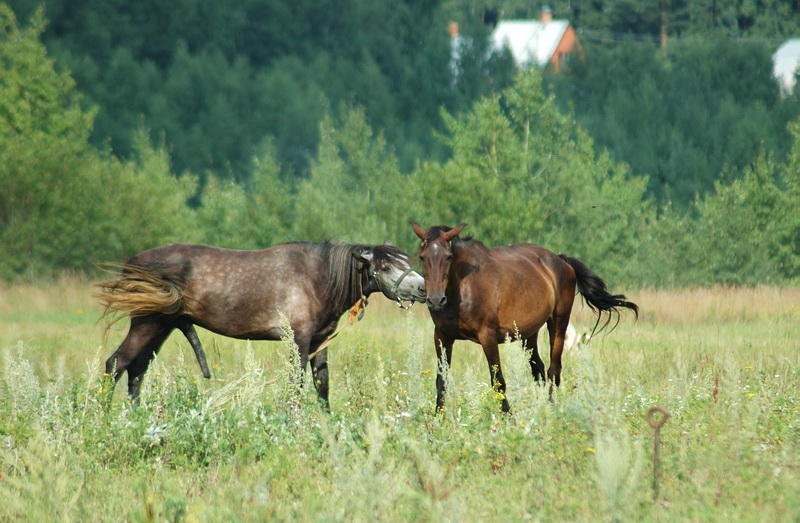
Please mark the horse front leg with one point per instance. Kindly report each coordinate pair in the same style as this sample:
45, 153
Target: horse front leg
319, 370
303, 342
492, 352
444, 356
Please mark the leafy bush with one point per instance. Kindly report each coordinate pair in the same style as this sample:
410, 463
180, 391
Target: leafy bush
520, 170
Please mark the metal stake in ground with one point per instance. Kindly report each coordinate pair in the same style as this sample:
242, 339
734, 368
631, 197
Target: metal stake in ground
656, 422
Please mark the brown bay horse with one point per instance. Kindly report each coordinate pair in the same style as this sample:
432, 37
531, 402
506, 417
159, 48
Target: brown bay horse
242, 294
486, 294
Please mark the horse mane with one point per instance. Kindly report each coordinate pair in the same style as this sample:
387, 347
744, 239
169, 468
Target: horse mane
383, 254
437, 230
467, 241
344, 278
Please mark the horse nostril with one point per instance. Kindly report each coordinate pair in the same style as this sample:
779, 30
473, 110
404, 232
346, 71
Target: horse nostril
443, 301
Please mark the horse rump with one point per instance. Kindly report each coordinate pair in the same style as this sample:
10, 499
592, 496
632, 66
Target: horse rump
146, 289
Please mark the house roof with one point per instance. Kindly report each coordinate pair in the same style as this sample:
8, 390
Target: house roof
785, 63
529, 41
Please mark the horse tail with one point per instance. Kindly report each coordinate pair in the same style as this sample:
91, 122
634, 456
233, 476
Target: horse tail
142, 289
595, 291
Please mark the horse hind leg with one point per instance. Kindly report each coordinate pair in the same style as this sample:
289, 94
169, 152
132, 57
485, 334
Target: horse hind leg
492, 353
188, 330
557, 328
145, 337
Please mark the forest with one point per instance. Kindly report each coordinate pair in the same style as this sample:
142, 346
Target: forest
124, 125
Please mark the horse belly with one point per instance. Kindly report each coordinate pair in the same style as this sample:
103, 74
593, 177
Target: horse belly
237, 320
524, 311
252, 311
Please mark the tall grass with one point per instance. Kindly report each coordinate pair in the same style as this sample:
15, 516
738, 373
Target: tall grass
249, 445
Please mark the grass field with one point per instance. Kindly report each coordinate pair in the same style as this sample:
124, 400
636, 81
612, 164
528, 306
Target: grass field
725, 364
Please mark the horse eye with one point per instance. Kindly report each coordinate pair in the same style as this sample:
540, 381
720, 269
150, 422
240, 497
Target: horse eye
422, 258
449, 257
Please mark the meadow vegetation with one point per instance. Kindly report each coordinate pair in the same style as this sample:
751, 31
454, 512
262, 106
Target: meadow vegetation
245, 446
716, 344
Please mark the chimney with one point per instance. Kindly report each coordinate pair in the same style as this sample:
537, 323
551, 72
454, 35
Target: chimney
453, 29
545, 15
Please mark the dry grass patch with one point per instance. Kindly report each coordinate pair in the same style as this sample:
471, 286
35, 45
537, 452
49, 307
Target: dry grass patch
717, 304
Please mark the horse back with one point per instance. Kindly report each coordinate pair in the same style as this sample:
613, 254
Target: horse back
519, 287
239, 292
232, 269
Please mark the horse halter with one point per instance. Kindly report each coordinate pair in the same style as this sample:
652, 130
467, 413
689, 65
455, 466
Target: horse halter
396, 287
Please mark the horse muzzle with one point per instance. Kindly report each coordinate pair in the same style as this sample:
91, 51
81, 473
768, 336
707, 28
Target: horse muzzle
412, 288
436, 302
419, 292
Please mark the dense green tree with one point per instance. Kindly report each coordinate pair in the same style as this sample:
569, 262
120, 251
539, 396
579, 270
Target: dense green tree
206, 111
522, 171
750, 229
43, 136
477, 70
746, 231
790, 183
63, 204
143, 204
520, 168
610, 20
351, 192
255, 216
673, 120
216, 81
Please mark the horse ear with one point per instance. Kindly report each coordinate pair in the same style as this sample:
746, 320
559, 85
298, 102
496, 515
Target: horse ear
452, 233
418, 230
363, 255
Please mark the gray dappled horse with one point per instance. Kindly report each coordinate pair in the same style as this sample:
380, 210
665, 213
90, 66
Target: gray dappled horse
241, 294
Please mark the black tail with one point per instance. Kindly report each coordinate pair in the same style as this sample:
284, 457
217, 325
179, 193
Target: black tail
595, 291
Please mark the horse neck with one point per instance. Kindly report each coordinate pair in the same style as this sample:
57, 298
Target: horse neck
344, 279
466, 256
